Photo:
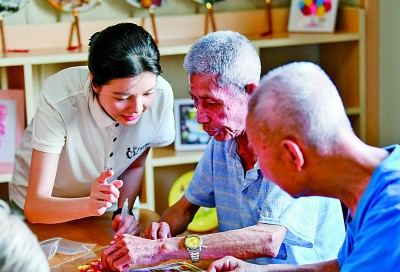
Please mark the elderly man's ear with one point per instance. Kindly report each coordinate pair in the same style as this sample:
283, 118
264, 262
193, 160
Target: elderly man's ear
291, 152
250, 88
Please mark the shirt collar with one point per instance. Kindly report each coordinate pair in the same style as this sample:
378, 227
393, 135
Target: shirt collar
232, 147
100, 116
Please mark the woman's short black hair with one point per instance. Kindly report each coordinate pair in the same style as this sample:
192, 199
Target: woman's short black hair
120, 51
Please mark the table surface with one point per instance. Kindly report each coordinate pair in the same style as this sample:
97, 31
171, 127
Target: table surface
91, 230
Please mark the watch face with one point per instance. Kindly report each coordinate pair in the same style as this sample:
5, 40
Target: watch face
192, 241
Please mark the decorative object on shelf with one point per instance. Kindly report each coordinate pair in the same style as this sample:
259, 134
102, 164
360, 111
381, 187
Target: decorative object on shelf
8, 7
150, 5
313, 15
206, 218
189, 134
74, 7
268, 7
210, 13
12, 125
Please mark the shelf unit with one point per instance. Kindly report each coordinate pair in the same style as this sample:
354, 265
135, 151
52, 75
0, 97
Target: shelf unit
341, 54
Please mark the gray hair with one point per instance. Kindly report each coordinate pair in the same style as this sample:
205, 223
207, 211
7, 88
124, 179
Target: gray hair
19, 248
227, 54
299, 100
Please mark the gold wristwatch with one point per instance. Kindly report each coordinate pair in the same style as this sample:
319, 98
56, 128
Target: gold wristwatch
193, 245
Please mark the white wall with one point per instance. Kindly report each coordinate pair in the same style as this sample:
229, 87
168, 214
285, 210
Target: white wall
389, 72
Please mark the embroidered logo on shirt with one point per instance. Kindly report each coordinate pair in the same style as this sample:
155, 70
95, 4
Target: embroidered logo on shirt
132, 152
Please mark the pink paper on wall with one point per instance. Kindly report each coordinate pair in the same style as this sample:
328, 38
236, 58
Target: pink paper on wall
12, 125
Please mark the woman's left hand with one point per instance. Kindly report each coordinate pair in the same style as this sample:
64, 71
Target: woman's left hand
131, 226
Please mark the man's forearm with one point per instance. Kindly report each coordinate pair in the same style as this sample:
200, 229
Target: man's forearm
179, 215
177, 224
257, 241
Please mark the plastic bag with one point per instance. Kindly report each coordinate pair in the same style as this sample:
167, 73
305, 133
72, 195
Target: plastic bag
63, 246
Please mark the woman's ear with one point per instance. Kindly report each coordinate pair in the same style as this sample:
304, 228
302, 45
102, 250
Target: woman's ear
293, 154
93, 87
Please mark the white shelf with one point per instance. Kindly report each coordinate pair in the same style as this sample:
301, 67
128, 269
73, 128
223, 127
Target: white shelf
168, 156
5, 177
179, 47
44, 56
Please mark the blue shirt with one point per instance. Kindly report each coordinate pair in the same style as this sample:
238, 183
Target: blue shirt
373, 235
315, 227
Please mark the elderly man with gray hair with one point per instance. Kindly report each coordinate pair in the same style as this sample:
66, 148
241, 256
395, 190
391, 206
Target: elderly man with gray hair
19, 248
256, 219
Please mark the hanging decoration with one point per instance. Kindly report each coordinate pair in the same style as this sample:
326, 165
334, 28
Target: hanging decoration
210, 14
150, 5
74, 7
8, 7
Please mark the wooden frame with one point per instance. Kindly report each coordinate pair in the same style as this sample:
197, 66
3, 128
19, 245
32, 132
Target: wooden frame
189, 134
372, 70
12, 125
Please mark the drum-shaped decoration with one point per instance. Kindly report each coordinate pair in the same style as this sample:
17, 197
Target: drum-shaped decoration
74, 7
151, 5
210, 13
8, 7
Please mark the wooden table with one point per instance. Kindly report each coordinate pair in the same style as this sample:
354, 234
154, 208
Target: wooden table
92, 230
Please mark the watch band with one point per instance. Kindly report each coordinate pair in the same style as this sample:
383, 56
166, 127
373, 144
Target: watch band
194, 255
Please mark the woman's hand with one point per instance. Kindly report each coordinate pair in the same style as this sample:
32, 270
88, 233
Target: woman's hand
103, 194
130, 226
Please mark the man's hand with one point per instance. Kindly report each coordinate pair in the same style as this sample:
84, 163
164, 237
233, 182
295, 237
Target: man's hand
129, 249
157, 231
232, 264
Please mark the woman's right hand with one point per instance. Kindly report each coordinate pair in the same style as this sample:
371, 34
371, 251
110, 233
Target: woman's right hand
103, 194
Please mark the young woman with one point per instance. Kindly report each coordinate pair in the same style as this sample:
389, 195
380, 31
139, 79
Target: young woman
87, 144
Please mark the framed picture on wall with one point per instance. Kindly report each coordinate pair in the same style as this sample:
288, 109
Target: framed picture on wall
312, 15
189, 134
12, 125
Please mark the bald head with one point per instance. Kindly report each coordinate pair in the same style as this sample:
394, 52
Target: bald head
298, 100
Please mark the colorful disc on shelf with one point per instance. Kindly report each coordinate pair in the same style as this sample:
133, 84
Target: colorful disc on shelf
206, 218
72, 5
147, 4
203, 2
8, 7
